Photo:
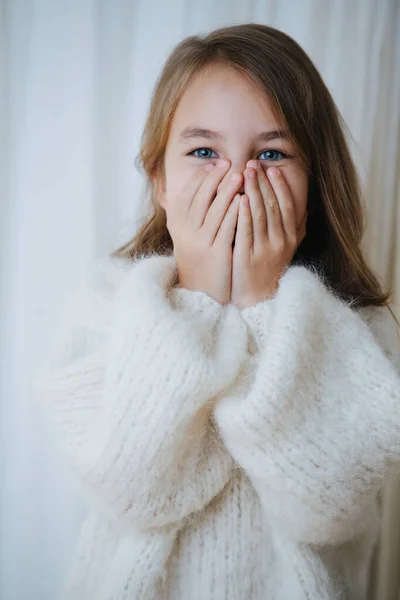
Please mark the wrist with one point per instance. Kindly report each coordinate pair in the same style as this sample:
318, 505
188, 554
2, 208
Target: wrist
252, 301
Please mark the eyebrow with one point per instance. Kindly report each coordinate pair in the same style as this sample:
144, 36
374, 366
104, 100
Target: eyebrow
197, 132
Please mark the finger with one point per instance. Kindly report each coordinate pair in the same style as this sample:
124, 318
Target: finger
218, 208
244, 232
206, 193
257, 207
179, 209
226, 232
274, 218
286, 205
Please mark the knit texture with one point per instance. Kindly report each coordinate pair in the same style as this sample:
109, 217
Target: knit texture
223, 453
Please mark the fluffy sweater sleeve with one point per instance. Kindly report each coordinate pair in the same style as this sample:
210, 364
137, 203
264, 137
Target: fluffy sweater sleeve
316, 423
128, 389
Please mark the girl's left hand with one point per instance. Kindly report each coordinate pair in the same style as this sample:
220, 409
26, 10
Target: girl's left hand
266, 236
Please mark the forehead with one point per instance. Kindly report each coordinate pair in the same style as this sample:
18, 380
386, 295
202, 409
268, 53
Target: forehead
219, 97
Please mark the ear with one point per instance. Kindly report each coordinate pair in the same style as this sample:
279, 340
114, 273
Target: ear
159, 189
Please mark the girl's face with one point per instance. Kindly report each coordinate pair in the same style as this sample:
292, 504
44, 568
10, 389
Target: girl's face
235, 114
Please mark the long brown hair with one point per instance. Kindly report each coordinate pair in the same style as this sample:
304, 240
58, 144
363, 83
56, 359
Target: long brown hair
274, 62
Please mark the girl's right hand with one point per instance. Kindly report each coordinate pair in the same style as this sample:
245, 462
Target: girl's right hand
203, 229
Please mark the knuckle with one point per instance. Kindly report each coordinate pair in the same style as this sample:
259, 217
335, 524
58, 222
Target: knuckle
280, 245
203, 241
288, 207
260, 216
272, 205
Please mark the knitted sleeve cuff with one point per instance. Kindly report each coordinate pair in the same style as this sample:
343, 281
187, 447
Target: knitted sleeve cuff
194, 301
258, 318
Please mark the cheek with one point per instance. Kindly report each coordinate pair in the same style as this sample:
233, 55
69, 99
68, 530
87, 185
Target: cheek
297, 181
177, 180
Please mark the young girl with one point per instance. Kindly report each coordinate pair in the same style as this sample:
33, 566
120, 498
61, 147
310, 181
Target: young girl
225, 387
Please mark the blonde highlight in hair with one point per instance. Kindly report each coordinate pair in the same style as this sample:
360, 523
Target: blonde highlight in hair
277, 65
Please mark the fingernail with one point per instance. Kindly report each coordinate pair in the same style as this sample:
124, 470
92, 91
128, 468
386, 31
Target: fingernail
274, 172
209, 167
223, 163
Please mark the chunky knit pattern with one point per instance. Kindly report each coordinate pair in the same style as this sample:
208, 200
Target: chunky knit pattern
224, 453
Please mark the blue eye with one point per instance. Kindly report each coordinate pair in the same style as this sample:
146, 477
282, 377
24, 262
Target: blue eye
203, 151
204, 154
271, 152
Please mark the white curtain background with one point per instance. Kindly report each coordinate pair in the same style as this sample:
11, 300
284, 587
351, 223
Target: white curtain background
75, 81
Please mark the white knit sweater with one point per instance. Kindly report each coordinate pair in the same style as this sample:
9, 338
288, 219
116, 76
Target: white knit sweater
224, 453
